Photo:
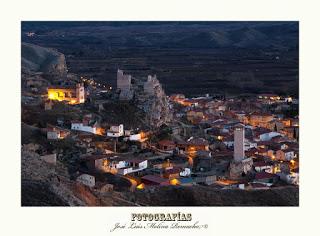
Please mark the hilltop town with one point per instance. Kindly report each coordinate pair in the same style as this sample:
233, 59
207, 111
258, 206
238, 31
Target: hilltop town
86, 143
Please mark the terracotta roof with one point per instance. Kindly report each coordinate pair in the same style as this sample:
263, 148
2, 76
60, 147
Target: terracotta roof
260, 114
264, 175
166, 142
154, 178
95, 157
258, 185
76, 121
197, 141
136, 161
260, 164
173, 171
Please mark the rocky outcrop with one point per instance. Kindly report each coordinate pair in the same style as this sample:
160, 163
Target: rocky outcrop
40, 59
148, 95
44, 184
153, 101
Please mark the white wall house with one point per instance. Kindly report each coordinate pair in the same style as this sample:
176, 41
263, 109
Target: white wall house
112, 166
138, 137
186, 172
259, 167
80, 127
248, 145
116, 131
268, 136
53, 134
135, 137
229, 144
291, 178
134, 166
87, 180
285, 155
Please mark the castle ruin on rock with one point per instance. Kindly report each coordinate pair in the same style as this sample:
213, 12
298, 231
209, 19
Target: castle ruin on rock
147, 94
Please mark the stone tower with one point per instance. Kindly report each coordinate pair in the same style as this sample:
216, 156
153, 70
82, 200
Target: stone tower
123, 81
238, 154
80, 93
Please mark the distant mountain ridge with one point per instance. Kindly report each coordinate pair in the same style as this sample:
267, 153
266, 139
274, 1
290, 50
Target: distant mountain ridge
214, 54
180, 34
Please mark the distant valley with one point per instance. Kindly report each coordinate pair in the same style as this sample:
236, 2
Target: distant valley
188, 57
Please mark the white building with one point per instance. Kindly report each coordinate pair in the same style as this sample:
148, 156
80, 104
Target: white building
77, 125
53, 134
140, 137
248, 145
290, 178
268, 136
262, 166
87, 180
186, 172
285, 155
116, 131
133, 166
238, 154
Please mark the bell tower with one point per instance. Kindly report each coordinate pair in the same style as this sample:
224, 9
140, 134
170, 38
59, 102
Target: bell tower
80, 93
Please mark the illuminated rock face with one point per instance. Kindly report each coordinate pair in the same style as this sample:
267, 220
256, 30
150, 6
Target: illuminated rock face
148, 95
71, 95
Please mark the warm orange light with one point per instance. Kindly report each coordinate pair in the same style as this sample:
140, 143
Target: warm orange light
51, 96
142, 135
140, 186
105, 163
276, 169
54, 95
219, 137
166, 164
292, 162
174, 182
100, 131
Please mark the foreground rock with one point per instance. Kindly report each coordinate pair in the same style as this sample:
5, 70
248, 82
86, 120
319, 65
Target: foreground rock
39, 59
204, 196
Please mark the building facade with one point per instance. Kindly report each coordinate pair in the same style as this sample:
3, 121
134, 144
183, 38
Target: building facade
72, 95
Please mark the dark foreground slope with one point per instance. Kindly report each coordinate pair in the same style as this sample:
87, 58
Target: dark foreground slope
205, 196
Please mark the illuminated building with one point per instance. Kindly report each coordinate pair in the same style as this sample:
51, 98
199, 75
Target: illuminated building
140, 186
72, 95
174, 182
55, 133
115, 131
260, 119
